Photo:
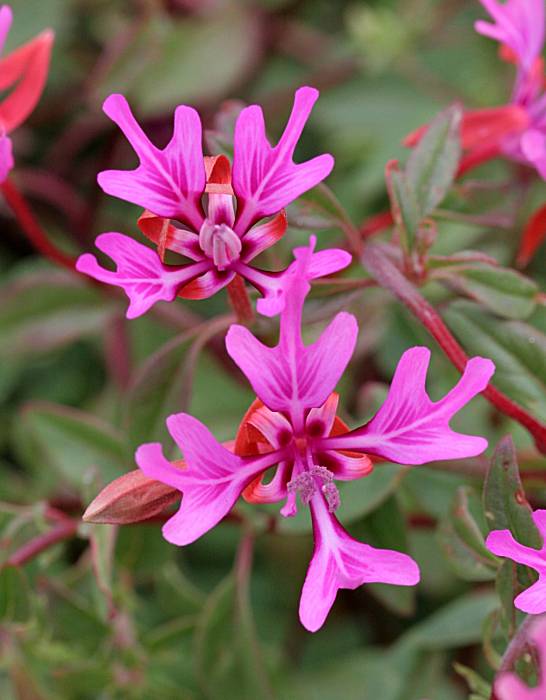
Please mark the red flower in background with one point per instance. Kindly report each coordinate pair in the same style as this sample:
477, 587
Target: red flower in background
23, 74
517, 130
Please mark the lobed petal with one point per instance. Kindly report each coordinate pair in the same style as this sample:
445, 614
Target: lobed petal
517, 23
291, 376
410, 428
168, 182
266, 179
139, 272
533, 600
210, 485
339, 561
502, 544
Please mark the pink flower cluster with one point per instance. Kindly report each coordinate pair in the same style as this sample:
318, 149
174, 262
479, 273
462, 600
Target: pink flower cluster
518, 25
221, 237
291, 446
293, 430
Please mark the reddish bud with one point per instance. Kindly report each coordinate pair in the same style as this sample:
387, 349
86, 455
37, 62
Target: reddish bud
131, 498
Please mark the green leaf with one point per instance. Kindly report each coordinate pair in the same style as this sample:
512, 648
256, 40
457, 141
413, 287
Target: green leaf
15, 600
156, 392
320, 208
503, 291
506, 586
433, 163
103, 540
457, 624
517, 349
227, 651
187, 61
70, 443
462, 541
475, 682
182, 376
363, 675
491, 638
45, 309
405, 207
505, 504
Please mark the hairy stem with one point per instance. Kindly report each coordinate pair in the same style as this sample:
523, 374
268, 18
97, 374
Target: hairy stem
59, 533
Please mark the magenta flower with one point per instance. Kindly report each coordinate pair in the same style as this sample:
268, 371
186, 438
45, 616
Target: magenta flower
518, 24
519, 27
503, 544
222, 240
510, 687
293, 430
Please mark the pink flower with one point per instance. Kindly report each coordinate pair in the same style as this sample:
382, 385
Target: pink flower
503, 544
24, 71
222, 240
293, 430
519, 26
510, 687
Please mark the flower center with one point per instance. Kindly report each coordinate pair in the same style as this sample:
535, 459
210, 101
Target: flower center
220, 243
307, 482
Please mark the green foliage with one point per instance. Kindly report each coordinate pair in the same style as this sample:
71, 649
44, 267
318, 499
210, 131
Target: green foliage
517, 349
117, 613
429, 173
462, 539
500, 290
504, 501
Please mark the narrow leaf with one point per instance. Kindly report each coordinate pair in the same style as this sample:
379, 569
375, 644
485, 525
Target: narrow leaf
433, 163
503, 291
55, 439
45, 309
517, 349
462, 540
15, 602
505, 504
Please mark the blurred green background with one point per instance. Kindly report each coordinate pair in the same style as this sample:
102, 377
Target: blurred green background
122, 614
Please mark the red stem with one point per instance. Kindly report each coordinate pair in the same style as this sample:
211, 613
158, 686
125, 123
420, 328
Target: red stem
31, 228
239, 300
39, 544
388, 276
376, 223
